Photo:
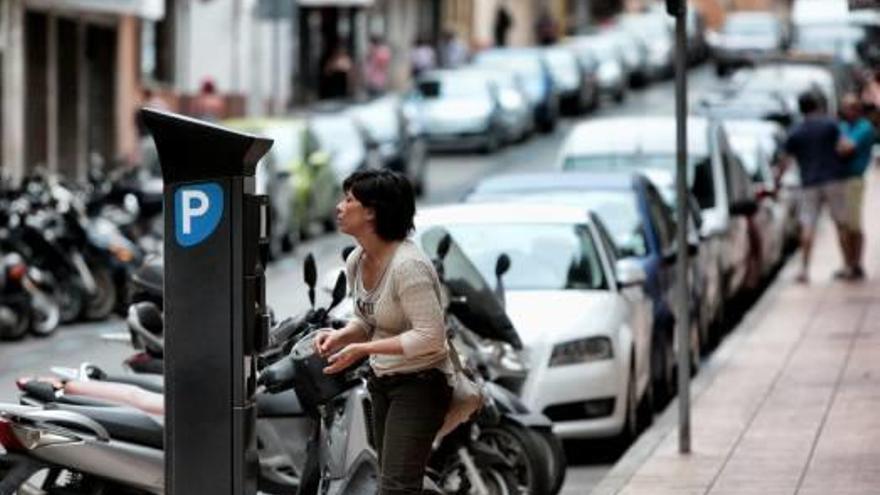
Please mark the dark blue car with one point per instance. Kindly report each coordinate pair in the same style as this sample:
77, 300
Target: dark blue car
640, 224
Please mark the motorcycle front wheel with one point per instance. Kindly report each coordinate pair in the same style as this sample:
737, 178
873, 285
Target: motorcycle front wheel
522, 450
454, 480
45, 315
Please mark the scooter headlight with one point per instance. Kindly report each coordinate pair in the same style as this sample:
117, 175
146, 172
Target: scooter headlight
582, 351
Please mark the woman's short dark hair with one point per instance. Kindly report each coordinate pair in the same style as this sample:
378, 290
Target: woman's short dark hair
390, 195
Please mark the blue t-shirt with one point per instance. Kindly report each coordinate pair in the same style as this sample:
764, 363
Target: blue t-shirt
861, 133
813, 142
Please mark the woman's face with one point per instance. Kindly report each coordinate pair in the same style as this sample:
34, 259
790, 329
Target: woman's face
352, 217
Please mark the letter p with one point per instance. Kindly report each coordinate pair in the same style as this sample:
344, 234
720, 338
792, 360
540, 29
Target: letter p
195, 204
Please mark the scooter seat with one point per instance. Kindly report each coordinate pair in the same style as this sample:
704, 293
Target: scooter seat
285, 404
122, 423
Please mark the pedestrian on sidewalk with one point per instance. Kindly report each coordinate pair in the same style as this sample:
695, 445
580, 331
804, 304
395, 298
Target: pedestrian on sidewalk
398, 323
454, 51
859, 134
208, 104
377, 66
816, 145
423, 57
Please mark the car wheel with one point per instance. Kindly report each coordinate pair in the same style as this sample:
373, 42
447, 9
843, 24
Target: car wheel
492, 142
662, 369
102, 302
695, 346
630, 429
554, 452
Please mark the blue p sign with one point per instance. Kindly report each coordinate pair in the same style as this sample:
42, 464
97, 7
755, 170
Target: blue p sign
197, 212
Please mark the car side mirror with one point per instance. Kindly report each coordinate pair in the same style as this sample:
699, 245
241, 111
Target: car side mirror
746, 208
629, 273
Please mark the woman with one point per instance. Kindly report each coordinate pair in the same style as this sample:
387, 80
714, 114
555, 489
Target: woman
398, 323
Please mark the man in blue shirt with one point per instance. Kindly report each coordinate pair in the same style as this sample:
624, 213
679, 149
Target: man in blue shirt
859, 135
816, 144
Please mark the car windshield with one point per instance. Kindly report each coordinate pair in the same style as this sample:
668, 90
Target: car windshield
828, 41
751, 26
617, 209
543, 256
625, 162
525, 63
461, 86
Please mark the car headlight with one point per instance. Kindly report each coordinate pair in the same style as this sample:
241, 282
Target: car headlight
581, 351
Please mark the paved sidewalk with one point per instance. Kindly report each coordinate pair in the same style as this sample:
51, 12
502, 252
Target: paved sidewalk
790, 403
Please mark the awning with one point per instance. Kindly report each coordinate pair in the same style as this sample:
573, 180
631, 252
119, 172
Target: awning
335, 3
153, 10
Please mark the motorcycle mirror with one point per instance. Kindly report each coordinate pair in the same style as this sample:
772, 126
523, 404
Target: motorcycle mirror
339, 290
502, 264
310, 274
443, 246
346, 251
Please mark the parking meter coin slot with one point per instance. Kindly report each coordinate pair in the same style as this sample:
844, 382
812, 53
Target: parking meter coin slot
254, 228
253, 312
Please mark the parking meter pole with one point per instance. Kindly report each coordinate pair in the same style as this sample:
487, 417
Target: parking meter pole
215, 316
682, 327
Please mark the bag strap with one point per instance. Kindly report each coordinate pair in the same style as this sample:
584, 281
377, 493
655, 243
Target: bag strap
453, 356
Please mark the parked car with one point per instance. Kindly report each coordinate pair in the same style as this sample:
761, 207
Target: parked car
339, 134
716, 177
746, 38
299, 177
517, 118
605, 53
634, 54
727, 104
770, 138
768, 222
642, 226
395, 135
790, 80
652, 29
578, 88
459, 108
581, 313
531, 65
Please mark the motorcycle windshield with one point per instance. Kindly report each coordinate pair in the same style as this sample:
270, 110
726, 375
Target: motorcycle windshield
472, 300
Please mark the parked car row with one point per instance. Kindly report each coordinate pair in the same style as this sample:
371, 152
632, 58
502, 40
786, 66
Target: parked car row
505, 93
593, 246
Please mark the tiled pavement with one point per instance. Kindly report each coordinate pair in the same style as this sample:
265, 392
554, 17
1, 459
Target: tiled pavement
790, 403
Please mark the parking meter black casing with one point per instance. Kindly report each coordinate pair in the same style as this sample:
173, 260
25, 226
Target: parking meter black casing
215, 317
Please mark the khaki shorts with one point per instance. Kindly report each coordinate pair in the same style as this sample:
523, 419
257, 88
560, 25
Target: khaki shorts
855, 193
831, 193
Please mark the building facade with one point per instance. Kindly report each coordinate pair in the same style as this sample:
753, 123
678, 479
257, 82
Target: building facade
70, 82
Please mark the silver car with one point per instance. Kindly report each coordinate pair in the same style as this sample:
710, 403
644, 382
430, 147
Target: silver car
459, 109
517, 118
610, 71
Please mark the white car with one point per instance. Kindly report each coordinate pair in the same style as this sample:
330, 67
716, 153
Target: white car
581, 314
715, 175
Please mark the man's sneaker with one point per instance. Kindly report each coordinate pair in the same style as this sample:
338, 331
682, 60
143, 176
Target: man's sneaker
843, 274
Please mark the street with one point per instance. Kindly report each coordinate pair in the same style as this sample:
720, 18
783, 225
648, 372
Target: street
449, 176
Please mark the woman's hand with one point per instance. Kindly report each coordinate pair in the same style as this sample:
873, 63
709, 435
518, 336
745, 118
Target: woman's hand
329, 341
349, 355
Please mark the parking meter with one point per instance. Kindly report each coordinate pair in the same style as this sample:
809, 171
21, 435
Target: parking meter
216, 319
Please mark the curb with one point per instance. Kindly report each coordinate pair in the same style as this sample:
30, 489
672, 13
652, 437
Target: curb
666, 423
